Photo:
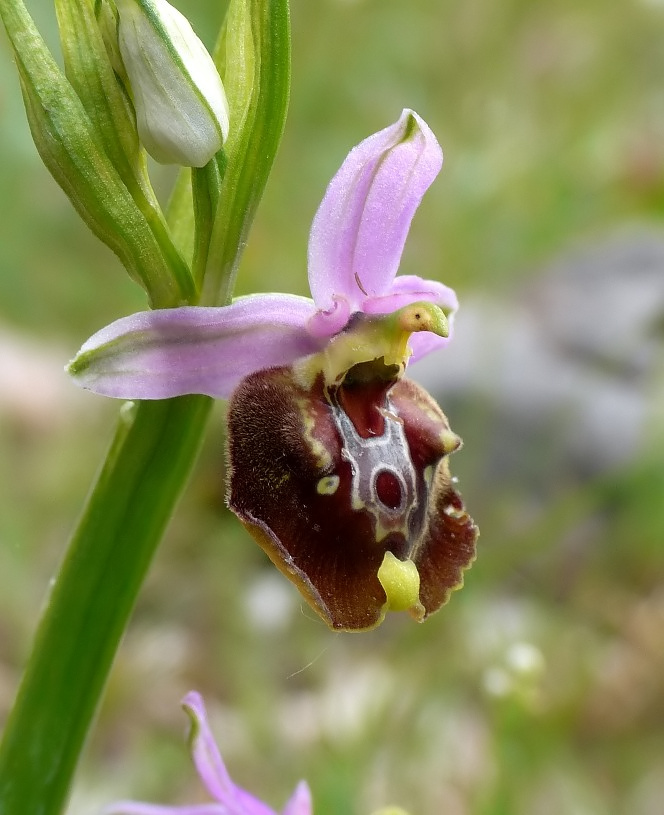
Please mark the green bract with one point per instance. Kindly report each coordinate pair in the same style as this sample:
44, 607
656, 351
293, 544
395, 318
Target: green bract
87, 146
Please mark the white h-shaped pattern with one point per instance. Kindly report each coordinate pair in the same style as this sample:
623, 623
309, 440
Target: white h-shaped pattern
369, 458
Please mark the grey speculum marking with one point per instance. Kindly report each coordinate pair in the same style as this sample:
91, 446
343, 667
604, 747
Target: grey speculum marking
383, 476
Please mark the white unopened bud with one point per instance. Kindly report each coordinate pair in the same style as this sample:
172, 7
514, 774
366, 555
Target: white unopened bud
181, 106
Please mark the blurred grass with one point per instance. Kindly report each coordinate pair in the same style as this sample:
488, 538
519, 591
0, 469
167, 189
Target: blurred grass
540, 689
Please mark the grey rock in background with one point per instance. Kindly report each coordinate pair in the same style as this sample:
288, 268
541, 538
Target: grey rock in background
565, 375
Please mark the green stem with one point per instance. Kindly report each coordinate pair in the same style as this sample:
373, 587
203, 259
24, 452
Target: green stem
205, 188
147, 466
253, 54
153, 450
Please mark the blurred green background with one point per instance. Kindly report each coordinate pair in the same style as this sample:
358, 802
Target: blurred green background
540, 688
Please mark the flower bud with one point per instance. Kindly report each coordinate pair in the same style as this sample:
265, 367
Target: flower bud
181, 106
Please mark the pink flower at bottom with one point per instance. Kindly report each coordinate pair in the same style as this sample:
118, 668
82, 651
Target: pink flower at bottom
229, 799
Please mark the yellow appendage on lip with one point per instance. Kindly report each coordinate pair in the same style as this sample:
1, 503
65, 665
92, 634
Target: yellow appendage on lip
401, 582
423, 317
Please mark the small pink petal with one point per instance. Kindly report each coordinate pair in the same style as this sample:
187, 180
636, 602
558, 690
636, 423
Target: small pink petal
233, 800
424, 342
247, 804
359, 231
300, 802
328, 323
204, 751
408, 289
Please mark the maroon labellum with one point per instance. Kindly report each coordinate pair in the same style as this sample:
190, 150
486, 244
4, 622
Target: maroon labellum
330, 478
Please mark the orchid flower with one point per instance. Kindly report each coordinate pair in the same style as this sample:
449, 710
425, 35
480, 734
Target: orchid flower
338, 464
230, 799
